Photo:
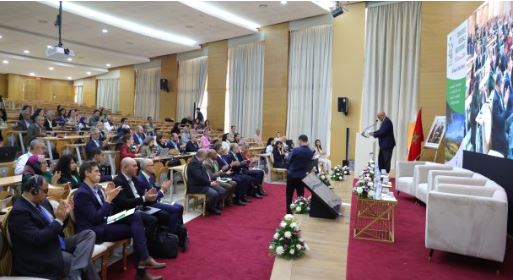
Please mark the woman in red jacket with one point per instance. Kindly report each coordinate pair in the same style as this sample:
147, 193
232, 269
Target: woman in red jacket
128, 149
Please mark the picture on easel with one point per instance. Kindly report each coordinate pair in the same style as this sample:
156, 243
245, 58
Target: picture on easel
436, 133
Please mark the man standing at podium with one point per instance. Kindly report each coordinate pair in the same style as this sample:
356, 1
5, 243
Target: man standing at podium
385, 135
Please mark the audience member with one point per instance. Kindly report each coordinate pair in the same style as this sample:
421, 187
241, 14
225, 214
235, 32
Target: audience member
97, 155
128, 149
226, 144
38, 243
94, 118
174, 144
205, 140
192, 145
49, 120
269, 146
94, 141
147, 148
37, 129
72, 117
320, 155
257, 138
231, 134
279, 155
215, 173
244, 182
185, 135
37, 147
37, 165
139, 135
68, 168
149, 127
199, 182
24, 121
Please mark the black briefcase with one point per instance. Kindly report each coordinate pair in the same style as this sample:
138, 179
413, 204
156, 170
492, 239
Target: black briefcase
165, 245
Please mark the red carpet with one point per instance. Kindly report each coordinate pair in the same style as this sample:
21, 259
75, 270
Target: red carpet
407, 257
231, 246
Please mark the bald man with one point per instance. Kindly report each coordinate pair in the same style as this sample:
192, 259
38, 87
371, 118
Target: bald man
385, 135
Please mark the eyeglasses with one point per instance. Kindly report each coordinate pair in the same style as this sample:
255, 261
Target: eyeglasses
45, 190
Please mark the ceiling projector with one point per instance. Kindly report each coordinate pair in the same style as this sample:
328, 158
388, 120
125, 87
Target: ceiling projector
59, 53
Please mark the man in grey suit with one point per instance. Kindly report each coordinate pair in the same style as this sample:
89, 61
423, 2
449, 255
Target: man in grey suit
215, 172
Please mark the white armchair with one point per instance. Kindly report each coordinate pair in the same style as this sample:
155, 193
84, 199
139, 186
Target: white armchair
424, 188
404, 176
467, 219
420, 178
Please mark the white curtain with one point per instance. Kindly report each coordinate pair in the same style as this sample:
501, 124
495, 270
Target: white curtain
108, 94
245, 86
392, 67
192, 80
309, 97
79, 97
147, 93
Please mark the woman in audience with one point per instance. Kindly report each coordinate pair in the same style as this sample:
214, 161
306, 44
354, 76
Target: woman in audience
3, 124
269, 145
161, 142
147, 147
37, 165
225, 143
82, 124
320, 155
206, 126
176, 128
61, 117
38, 112
279, 155
26, 109
205, 140
68, 168
72, 117
123, 128
128, 149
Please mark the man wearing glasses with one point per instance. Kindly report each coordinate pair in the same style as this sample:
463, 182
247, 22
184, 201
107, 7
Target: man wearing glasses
39, 246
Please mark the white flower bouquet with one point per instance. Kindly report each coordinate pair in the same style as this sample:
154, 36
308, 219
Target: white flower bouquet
338, 173
287, 242
301, 205
346, 170
324, 177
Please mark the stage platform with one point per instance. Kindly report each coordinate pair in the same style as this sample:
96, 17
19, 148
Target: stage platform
328, 241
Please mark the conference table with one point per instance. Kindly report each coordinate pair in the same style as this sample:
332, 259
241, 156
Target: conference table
69, 138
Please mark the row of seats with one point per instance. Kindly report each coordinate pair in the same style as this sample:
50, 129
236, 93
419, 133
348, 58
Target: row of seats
466, 213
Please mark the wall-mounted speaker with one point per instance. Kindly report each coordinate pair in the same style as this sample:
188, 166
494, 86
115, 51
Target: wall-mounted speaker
343, 105
164, 85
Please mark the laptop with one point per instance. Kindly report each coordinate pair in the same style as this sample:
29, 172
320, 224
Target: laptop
164, 152
7, 154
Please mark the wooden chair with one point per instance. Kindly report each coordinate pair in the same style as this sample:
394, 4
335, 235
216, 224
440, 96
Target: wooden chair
282, 172
196, 197
158, 165
59, 192
160, 173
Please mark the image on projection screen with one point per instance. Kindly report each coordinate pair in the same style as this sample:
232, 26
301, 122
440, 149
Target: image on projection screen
488, 93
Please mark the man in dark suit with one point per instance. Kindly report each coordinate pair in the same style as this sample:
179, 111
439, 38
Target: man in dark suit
199, 182
174, 144
39, 246
192, 145
139, 135
134, 195
257, 175
25, 122
499, 115
147, 182
92, 208
243, 181
94, 141
385, 135
96, 155
215, 173
300, 161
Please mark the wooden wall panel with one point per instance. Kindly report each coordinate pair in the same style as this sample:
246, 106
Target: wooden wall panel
347, 78
168, 100
24, 87
276, 63
126, 90
89, 91
216, 87
3, 85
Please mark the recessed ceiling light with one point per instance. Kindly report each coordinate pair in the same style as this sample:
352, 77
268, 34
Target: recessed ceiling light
108, 64
283, 2
326, 5
70, 78
49, 46
105, 30
70, 59
32, 74
5, 61
26, 51
123, 23
1, 37
88, 73
212, 10
50, 68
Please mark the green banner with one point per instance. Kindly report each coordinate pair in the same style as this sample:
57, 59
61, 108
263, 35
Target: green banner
456, 95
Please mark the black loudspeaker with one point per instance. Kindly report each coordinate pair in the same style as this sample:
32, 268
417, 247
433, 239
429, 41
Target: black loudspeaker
164, 85
343, 105
319, 209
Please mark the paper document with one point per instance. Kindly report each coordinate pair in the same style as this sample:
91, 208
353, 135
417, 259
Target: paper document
119, 216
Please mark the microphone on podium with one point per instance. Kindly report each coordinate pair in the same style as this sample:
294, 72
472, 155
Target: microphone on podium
365, 129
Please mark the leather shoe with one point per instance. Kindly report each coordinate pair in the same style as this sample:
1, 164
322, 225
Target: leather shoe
215, 211
151, 263
256, 195
240, 202
245, 199
148, 277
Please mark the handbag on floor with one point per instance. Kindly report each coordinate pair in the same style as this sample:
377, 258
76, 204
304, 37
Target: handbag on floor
183, 238
164, 245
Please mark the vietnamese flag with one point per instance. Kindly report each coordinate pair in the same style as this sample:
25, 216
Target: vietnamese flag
416, 140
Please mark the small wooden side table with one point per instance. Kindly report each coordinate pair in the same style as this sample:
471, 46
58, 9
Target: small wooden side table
375, 218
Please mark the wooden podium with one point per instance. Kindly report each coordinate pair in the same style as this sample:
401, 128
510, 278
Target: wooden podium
365, 150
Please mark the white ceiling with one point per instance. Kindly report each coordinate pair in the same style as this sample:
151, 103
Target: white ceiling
29, 26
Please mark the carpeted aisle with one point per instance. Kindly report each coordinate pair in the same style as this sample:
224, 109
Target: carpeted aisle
231, 246
407, 257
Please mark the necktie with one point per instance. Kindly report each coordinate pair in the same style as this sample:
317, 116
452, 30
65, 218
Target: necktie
49, 219
99, 195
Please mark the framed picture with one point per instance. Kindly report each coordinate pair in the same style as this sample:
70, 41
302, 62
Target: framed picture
436, 133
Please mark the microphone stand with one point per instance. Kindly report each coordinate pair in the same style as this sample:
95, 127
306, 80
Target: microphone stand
365, 129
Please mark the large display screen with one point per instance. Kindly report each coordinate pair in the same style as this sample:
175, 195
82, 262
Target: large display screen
479, 83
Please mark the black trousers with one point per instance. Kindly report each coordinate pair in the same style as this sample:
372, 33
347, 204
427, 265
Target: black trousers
293, 184
384, 159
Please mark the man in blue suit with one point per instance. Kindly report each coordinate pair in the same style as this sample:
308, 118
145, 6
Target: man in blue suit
385, 135
39, 246
147, 182
94, 141
139, 135
174, 144
92, 208
243, 181
257, 175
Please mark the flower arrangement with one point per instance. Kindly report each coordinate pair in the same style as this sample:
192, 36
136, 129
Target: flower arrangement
287, 242
338, 173
346, 170
301, 205
364, 187
324, 177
